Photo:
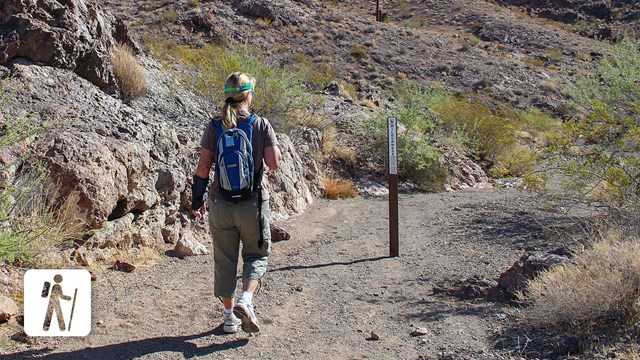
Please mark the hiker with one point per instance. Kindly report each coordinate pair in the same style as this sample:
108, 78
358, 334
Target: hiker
237, 214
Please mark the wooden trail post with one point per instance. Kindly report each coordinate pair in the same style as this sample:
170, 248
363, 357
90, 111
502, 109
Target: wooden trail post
393, 187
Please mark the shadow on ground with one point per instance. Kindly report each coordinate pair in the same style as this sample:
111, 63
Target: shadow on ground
335, 263
138, 348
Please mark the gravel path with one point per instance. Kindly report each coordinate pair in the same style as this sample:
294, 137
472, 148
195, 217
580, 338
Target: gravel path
330, 287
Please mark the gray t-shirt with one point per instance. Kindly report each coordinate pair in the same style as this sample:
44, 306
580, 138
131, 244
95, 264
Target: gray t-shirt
263, 136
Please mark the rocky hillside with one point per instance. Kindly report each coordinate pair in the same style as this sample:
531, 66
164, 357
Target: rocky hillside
473, 46
603, 19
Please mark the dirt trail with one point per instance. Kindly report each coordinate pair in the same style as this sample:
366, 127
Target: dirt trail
329, 287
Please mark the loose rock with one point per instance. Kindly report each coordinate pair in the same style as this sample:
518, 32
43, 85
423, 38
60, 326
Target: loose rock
189, 246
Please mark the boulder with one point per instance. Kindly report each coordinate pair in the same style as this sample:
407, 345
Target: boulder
111, 177
278, 233
463, 173
289, 189
8, 308
189, 246
73, 34
525, 269
276, 11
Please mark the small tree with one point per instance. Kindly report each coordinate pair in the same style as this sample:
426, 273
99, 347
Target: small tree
599, 152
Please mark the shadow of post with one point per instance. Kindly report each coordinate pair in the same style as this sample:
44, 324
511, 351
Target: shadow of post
134, 349
335, 263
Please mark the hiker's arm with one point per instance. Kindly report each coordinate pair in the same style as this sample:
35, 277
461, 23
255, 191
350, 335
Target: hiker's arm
204, 165
272, 157
200, 182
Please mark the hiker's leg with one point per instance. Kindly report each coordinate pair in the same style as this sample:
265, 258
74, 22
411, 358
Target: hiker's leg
254, 257
226, 244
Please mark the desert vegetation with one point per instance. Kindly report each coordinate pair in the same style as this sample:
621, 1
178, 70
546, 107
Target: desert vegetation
32, 230
506, 141
129, 72
282, 95
597, 153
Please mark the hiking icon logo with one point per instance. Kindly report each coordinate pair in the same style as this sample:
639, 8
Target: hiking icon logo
57, 302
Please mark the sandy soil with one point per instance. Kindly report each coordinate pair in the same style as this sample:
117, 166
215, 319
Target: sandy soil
329, 288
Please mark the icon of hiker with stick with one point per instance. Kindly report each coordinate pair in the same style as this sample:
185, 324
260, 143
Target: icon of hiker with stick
54, 303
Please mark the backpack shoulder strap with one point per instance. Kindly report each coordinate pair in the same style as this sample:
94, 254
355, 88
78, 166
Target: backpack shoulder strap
217, 124
247, 126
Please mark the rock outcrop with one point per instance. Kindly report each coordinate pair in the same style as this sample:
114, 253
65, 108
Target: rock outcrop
124, 167
275, 11
75, 35
608, 13
189, 246
526, 268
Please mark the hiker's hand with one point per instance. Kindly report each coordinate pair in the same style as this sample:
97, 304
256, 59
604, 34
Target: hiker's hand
200, 212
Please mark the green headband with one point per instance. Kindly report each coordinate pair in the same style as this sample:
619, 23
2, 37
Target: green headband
245, 87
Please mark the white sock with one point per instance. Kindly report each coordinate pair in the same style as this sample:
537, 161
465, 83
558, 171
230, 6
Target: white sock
228, 312
247, 297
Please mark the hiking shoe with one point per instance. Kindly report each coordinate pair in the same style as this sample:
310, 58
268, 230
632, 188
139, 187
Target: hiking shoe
231, 323
245, 312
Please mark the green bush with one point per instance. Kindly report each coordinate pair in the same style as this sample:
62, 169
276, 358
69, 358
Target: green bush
614, 82
419, 161
599, 151
431, 115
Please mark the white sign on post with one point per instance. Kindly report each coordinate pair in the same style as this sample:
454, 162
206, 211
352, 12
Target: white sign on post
393, 146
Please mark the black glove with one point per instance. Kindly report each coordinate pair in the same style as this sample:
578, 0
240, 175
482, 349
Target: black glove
198, 189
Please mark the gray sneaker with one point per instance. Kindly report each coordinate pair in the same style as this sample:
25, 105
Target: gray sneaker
245, 312
231, 324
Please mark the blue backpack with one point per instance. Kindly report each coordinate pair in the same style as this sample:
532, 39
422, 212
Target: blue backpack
237, 178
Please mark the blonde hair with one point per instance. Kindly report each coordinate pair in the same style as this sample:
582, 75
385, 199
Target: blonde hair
234, 95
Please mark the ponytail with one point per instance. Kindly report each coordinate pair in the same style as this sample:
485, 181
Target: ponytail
229, 116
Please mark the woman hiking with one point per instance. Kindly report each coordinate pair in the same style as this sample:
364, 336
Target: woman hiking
237, 213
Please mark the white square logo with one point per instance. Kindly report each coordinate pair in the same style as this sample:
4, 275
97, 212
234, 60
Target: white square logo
57, 302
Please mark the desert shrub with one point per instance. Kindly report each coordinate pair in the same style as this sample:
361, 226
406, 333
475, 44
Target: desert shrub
338, 189
534, 61
279, 91
583, 57
431, 114
554, 54
346, 155
489, 136
419, 160
614, 82
598, 151
519, 161
358, 52
316, 74
32, 230
128, 72
601, 287
169, 16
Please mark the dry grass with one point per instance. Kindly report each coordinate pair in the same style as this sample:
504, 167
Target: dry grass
338, 189
602, 286
129, 72
38, 230
347, 155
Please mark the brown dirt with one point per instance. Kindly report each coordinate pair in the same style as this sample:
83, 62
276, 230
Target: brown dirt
329, 288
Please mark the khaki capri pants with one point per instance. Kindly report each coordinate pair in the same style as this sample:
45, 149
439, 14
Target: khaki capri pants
230, 225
